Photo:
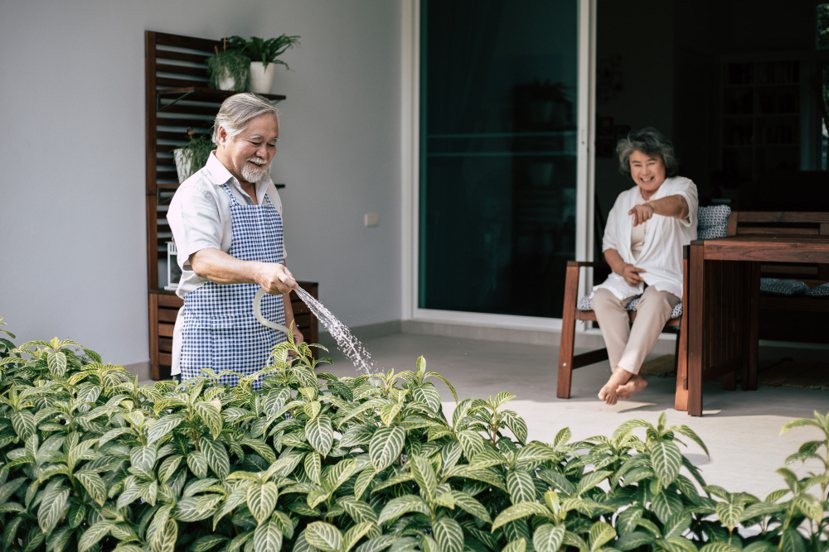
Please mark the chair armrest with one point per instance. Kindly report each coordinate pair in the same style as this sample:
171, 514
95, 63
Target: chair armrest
582, 264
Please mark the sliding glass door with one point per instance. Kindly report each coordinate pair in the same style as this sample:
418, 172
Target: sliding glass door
498, 154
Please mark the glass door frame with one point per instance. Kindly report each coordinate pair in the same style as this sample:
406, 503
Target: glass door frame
410, 171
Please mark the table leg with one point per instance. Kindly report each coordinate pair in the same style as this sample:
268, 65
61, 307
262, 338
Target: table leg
696, 315
752, 344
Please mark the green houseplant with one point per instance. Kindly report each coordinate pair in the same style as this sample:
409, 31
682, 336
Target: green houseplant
193, 155
229, 68
264, 54
90, 460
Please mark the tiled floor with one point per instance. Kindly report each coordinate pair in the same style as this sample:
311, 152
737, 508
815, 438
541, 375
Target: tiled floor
740, 428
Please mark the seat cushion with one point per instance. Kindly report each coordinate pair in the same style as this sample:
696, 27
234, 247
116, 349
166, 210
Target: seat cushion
783, 286
712, 222
821, 290
585, 303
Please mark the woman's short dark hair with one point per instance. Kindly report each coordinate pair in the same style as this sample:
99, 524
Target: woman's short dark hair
650, 142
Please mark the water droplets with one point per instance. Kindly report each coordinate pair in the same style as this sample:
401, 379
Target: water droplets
350, 346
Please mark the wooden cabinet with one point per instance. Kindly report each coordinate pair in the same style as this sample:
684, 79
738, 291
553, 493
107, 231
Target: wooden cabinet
178, 98
164, 306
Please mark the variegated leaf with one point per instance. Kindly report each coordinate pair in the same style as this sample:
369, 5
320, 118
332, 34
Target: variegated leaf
93, 535
211, 414
600, 534
471, 505
548, 537
520, 486
216, 455
449, 534
396, 507
197, 463
313, 466
56, 361
262, 499
385, 446
428, 395
471, 442
516, 424
163, 426
424, 475
52, 508
520, 511
355, 533
94, 485
519, 545
144, 458
267, 537
320, 434
338, 474
324, 536
666, 460
195, 508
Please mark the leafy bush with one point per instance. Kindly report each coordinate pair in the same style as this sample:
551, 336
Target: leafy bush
91, 460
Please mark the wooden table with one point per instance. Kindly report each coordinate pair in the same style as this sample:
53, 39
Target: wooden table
723, 296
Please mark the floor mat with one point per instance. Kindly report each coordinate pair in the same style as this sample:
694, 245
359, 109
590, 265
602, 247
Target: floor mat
814, 375
664, 365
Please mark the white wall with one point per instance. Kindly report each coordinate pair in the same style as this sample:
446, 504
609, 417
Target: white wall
72, 218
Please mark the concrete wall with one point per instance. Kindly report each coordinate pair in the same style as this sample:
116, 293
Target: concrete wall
72, 214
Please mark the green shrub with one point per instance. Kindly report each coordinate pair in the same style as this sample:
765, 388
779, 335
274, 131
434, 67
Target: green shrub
91, 460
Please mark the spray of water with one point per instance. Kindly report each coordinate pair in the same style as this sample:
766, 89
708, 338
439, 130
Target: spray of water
351, 347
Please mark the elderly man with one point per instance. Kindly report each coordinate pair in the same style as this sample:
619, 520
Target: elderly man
227, 225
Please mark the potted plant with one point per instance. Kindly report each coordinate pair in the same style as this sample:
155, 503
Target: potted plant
263, 54
229, 69
192, 156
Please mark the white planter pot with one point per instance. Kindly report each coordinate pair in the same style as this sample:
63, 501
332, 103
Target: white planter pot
261, 77
184, 164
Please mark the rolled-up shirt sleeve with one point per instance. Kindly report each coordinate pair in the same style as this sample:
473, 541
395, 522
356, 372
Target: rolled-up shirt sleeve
196, 223
688, 190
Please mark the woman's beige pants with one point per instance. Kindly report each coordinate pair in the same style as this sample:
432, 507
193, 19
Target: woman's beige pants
627, 346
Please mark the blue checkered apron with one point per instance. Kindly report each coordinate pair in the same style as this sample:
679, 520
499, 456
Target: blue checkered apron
220, 330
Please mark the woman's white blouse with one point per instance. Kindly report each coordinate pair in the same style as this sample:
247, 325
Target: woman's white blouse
661, 255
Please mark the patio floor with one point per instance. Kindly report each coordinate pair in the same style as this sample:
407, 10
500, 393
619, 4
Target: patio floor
740, 428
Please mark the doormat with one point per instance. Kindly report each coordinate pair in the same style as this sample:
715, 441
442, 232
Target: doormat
787, 371
662, 366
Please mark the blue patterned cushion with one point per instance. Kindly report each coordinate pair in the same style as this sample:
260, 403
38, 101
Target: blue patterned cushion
585, 303
819, 291
712, 222
783, 286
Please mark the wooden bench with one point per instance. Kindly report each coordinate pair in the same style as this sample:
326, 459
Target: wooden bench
800, 317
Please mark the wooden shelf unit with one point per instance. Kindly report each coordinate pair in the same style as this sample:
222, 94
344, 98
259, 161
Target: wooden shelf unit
178, 98
760, 124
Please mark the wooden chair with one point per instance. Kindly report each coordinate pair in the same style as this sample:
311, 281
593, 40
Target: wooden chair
712, 222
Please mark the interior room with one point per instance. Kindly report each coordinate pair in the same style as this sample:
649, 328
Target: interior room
74, 215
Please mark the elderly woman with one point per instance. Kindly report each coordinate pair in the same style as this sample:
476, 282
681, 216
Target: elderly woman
646, 230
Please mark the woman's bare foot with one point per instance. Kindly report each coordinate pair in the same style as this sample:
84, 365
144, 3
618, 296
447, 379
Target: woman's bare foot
608, 392
634, 385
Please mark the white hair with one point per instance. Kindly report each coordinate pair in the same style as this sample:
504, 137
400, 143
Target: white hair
238, 110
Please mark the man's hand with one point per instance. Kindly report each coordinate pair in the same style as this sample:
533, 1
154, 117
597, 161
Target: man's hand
641, 213
275, 278
631, 274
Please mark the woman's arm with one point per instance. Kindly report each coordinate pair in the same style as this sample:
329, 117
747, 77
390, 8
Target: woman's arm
221, 268
626, 270
669, 206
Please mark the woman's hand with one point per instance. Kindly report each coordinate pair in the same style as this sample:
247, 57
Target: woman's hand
642, 213
631, 274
